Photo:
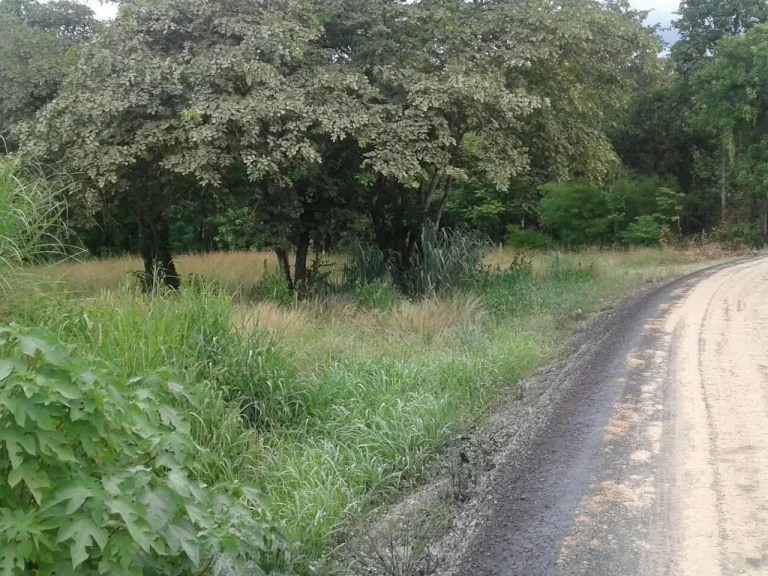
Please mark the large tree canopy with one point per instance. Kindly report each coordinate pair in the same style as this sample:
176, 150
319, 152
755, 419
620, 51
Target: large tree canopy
36, 52
307, 113
293, 123
703, 23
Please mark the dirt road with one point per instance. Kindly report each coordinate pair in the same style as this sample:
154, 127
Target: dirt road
656, 460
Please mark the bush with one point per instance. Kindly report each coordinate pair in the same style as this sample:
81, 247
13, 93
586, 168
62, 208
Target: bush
644, 231
648, 197
531, 239
739, 233
100, 473
576, 213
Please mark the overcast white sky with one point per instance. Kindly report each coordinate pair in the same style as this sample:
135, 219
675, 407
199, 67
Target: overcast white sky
662, 11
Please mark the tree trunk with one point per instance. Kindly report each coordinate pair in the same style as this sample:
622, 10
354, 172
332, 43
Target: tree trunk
765, 221
723, 180
285, 265
444, 201
300, 269
156, 252
426, 197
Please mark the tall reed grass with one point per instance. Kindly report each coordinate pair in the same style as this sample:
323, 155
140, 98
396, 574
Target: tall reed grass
30, 217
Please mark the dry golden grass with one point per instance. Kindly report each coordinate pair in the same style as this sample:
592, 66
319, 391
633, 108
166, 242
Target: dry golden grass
324, 330
432, 319
239, 271
282, 320
233, 270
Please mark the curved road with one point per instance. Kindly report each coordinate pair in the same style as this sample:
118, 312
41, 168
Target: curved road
656, 461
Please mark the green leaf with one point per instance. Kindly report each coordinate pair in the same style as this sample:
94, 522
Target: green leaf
10, 558
160, 507
15, 441
32, 476
182, 536
112, 485
35, 341
169, 416
76, 495
50, 444
131, 518
24, 408
199, 516
83, 533
6, 368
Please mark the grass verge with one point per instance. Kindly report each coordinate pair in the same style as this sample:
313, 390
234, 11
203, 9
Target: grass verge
333, 406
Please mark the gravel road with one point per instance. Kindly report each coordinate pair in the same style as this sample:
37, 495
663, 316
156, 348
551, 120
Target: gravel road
655, 459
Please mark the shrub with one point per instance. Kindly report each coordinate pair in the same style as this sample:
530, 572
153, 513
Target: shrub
532, 239
739, 233
644, 231
643, 197
576, 213
99, 474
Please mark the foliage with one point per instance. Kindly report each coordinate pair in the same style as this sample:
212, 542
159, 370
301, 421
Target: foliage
292, 137
733, 108
576, 213
36, 41
532, 239
643, 231
740, 233
641, 200
703, 24
100, 472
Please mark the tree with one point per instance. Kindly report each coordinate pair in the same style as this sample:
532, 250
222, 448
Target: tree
703, 23
487, 91
732, 102
200, 95
36, 42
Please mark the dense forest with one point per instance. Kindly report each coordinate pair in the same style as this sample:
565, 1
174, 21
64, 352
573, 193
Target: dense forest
301, 125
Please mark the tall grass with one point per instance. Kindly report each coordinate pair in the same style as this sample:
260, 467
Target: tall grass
445, 260
30, 216
329, 406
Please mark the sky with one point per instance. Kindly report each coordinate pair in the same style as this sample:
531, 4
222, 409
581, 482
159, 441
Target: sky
662, 12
